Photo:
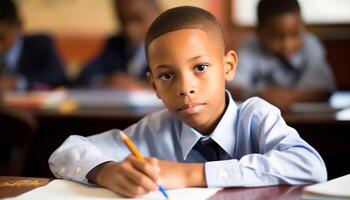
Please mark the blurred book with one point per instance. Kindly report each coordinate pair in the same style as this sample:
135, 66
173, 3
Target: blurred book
115, 98
33, 99
340, 99
334, 189
83, 99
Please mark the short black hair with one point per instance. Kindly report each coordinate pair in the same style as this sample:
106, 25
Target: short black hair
8, 11
183, 17
271, 8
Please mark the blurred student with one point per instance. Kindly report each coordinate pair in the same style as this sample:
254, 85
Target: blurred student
26, 62
122, 62
283, 63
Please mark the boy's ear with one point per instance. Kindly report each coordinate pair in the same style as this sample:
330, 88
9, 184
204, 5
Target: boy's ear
151, 81
230, 63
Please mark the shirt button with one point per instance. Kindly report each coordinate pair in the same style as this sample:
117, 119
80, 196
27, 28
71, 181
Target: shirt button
62, 170
77, 170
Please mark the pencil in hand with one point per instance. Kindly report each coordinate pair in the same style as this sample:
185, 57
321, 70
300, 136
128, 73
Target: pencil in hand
131, 146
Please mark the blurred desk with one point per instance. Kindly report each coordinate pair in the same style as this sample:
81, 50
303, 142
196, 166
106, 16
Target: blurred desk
317, 123
13, 186
327, 130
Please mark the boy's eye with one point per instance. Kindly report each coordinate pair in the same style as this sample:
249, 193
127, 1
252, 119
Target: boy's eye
201, 67
166, 76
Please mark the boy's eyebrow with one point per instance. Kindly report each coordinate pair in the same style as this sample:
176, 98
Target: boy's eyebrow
194, 58
162, 66
167, 65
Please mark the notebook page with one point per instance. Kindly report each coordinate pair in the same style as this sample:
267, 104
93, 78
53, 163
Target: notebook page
68, 190
339, 187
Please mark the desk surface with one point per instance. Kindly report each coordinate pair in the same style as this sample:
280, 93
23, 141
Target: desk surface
13, 186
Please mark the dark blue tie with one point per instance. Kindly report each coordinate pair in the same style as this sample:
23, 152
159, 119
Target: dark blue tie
208, 148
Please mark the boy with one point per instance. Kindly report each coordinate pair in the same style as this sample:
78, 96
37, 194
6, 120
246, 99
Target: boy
26, 62
203, 138
283, 63
122, 62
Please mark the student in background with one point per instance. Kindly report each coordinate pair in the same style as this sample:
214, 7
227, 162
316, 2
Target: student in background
26, 62
202, 138
282, 63
122, 62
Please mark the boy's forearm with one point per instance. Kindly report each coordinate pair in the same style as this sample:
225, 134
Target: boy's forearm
180, 175
195, 174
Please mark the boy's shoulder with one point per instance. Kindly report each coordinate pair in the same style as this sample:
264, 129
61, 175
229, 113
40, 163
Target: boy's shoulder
312, 43
258, 107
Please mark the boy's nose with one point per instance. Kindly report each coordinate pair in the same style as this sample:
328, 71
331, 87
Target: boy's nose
185, 86
185, 92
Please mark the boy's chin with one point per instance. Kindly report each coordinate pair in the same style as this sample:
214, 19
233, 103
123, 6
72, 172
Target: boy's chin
195, 121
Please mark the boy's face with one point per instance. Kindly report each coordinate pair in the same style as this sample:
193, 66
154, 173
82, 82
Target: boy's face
8, 35
283, 34
188, 72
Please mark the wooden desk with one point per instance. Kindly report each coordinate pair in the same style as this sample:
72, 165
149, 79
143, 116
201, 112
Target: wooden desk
13, 186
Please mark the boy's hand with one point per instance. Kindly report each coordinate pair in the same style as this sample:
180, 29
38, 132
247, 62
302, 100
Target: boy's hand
181, 175
130, 177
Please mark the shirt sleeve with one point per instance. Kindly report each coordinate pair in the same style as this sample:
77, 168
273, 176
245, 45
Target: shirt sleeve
78, 155
277, 154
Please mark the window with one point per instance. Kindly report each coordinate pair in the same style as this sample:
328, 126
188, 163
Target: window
315, 12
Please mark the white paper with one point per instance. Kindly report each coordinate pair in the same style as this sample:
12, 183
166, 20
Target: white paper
68, 190
339, 187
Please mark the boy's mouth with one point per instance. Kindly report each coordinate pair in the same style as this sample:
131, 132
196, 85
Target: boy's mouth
191, 108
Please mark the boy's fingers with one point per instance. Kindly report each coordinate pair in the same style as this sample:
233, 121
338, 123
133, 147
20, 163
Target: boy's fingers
147, 168
128, 188
153, 161
139, 178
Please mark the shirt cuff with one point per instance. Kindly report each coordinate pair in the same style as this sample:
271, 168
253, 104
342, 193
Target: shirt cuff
79, 170
225, 173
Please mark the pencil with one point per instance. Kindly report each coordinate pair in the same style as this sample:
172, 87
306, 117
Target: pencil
131, 146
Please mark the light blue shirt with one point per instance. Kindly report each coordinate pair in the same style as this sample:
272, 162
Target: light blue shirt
257, 69
263, 149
